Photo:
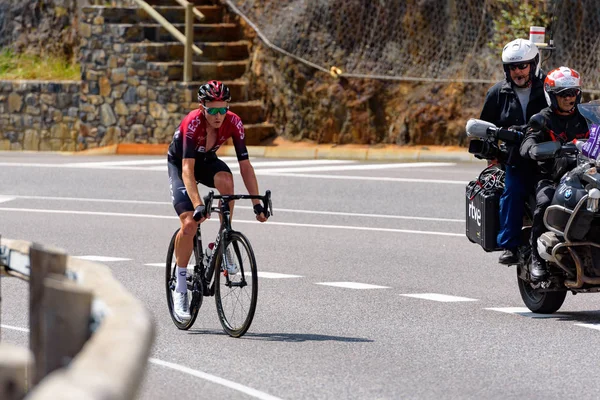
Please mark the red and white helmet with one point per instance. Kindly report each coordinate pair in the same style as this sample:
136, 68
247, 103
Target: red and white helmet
559, 81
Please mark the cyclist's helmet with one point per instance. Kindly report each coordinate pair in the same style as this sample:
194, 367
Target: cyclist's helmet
560, 80
521, 51
213, 91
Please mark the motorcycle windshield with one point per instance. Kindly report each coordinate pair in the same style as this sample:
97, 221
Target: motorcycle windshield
591, 112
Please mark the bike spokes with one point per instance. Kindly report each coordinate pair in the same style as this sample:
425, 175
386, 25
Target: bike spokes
236, 293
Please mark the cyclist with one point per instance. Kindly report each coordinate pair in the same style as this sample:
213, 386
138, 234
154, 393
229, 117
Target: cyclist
509, 104
192, 158
563, 123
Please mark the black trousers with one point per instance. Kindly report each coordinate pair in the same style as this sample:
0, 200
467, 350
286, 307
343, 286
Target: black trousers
544, 192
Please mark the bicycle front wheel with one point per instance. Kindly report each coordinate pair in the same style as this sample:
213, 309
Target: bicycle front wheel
236, 285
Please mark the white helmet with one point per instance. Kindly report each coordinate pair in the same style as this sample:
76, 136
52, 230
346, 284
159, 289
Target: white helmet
521, 51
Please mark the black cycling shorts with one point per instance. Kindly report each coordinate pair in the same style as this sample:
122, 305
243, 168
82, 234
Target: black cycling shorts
204, 172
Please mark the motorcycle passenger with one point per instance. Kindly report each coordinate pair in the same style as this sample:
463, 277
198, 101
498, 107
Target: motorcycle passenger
563, 123
510, 103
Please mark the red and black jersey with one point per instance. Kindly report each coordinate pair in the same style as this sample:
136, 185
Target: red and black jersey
189, 140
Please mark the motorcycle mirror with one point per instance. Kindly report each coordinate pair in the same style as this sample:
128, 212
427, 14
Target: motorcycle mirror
538, 123
478, 128
543, 151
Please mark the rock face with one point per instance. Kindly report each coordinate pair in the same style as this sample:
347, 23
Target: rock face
40, 26
308, 104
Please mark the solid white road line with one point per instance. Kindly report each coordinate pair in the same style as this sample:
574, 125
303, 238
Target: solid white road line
352, 285
102, 258
4, 199
93, 164
361, 167
215, 379
237, 221
346, 214
438, 297
198, 374
361, 178
265, 172
293, 163
235, 166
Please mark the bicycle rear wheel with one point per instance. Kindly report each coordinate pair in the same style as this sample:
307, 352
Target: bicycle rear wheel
236, 294
194, 288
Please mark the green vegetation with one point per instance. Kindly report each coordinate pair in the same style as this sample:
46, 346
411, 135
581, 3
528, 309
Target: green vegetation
22, 66
512, 20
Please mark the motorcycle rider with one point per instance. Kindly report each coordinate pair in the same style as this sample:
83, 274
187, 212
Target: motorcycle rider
563, 123
509, 104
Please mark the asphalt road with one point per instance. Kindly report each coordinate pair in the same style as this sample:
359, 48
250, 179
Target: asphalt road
380, 295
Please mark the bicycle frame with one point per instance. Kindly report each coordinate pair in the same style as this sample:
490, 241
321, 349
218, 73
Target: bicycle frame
206, 272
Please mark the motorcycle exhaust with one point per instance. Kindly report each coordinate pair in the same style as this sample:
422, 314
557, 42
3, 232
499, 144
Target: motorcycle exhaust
545, 244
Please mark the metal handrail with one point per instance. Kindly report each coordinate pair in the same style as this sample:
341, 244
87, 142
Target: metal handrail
197, 13
187, 39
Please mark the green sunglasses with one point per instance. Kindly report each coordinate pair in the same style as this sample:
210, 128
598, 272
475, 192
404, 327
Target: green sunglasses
216, 110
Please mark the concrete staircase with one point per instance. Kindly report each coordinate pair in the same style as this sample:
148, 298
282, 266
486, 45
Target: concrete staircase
225, 55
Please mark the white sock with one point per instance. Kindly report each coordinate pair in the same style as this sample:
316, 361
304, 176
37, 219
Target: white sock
181, 282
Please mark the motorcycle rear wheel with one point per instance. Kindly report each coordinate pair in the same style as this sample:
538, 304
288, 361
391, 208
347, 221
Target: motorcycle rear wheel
540, 302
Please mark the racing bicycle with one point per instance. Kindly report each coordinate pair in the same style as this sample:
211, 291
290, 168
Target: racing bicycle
235, 294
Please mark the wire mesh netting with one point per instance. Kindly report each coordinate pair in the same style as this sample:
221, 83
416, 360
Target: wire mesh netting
425, 40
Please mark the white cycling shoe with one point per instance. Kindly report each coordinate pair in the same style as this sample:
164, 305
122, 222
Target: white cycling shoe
180, 306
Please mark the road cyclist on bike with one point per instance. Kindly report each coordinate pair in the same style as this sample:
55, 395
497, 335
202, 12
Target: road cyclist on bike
192, 158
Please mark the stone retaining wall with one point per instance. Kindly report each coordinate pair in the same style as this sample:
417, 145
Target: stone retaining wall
121, 97
39, 115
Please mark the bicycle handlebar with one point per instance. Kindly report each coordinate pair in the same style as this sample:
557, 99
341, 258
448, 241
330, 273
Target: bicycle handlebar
266, 199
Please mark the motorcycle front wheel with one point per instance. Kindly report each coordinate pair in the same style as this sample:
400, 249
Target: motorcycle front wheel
540, 302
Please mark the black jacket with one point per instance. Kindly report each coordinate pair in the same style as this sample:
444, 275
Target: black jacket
503, 109
559, 128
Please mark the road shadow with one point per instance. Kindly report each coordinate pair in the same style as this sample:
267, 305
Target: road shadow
285, 337
584, 317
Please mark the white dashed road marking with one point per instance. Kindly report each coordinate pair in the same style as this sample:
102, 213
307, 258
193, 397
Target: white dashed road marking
591, 326
102, 258
162, 264
352, 285
4, 199
524, 312
276, 275
438, 297
261, 274
14, 328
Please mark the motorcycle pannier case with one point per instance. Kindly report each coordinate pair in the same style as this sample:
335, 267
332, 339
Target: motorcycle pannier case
482, 205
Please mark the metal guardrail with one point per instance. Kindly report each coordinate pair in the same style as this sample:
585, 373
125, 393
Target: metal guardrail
80, 318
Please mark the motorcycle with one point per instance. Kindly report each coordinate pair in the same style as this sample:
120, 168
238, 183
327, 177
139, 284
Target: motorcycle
571, 244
